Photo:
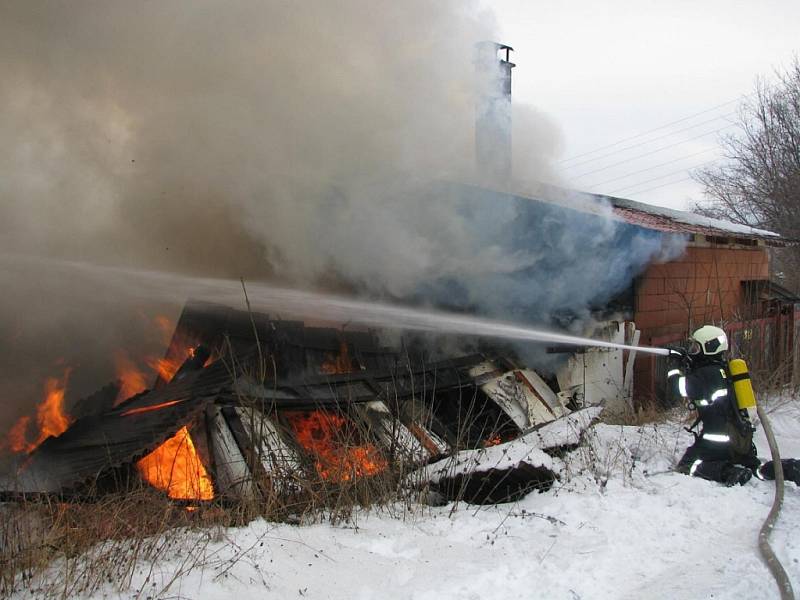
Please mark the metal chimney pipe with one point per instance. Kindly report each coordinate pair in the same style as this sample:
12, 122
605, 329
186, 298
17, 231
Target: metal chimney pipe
493, 111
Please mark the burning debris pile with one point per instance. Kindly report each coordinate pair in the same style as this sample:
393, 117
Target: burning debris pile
243, 406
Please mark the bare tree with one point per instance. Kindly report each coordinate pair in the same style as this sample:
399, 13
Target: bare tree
759, 184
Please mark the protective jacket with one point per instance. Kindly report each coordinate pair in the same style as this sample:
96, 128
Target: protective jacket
725, 442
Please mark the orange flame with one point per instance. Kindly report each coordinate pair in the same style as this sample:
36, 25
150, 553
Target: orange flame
176, 468
50, 416
154, 407
165, 326
132, 379
339, 364
492, 440
180, 349
17, 441
166, 367
328, 437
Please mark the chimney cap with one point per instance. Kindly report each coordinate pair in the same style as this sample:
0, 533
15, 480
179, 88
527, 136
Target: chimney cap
497, 45
488, 48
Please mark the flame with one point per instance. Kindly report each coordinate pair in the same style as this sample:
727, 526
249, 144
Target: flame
51, 419
181, 349
339, 364
329, 436
492, 440
17, 441
144, 409
176, 468
166, 326
50, 415
165, 367
132, 379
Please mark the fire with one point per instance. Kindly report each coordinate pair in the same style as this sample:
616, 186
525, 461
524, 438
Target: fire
176, 468
339, 364
329, 437
132, 379
154, 407
493, 440
17, 441
181, 348
166, 367
166, 327
50, 416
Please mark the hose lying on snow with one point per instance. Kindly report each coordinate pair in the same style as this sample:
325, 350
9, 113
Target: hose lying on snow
768, 555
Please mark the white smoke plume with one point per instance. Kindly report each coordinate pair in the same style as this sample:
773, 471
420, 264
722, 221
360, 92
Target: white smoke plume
269, 140
290, 142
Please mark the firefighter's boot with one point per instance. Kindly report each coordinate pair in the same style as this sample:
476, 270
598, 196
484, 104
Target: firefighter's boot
736, 475
791, 470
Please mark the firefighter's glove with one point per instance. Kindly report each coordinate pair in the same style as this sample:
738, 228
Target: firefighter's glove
680, 358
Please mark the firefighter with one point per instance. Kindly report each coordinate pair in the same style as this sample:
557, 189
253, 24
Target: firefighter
723, 450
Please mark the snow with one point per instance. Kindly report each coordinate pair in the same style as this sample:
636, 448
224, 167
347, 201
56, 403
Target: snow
618, 524
528, 448
690, 218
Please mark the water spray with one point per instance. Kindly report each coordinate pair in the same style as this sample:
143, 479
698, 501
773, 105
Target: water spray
155, 285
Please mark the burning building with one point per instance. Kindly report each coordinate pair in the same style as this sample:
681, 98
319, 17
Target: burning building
256, 399
241, 399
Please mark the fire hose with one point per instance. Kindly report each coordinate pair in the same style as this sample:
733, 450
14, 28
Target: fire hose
773, 564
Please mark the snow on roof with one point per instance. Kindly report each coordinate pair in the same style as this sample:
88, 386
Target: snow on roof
658, 218
667, 219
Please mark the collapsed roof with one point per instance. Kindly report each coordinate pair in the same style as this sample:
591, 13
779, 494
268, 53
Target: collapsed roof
261, 376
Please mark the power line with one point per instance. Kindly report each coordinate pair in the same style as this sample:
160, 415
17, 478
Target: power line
635, 185
669, 162
671, 123
661, 137
657, 150
663, 185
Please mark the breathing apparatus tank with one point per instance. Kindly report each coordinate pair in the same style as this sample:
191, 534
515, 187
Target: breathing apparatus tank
742, 386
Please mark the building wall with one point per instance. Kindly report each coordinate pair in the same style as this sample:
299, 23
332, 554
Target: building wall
701, 287
704, 285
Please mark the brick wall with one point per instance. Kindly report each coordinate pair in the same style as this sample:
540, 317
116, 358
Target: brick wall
703, 286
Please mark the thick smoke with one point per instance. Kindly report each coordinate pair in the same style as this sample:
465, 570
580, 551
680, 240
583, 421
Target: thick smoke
209, 136
295, 142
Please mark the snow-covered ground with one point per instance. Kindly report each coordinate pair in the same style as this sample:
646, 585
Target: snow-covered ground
624, 527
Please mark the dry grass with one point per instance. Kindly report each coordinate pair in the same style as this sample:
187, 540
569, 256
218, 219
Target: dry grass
643, 414
51, 549
62, 549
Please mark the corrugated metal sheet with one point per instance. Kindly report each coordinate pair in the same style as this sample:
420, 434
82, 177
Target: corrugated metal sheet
95, 444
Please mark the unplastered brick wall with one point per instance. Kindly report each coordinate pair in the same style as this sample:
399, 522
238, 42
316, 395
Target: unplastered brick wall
703, 286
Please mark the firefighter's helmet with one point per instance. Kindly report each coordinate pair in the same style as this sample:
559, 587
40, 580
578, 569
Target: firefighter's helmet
709, 340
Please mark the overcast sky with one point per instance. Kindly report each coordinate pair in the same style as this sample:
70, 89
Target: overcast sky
606, 71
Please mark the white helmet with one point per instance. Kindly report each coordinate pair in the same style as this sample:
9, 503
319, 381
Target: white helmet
708, 339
